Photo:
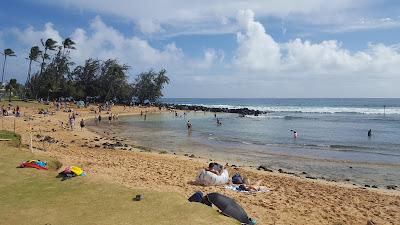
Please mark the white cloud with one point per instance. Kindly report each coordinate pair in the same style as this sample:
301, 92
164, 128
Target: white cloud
364, 24
258, 51
148, 26
191, 16
31, 37
211, 57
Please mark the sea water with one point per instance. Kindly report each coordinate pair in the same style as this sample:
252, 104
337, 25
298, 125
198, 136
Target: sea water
332, 137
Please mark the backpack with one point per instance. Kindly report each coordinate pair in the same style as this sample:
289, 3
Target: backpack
237, 179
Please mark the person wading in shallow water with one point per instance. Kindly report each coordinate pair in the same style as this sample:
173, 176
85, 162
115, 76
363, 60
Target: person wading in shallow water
294, 134
189, 127
369, 133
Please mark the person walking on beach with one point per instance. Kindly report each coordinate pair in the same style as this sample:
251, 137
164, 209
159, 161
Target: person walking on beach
109, 118
99, 118
145, 117
369, 133
72, 122
82, 123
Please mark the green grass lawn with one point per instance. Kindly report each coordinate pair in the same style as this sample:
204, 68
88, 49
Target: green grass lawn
15, 139
30, 196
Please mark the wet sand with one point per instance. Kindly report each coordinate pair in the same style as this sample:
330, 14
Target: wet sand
291, 200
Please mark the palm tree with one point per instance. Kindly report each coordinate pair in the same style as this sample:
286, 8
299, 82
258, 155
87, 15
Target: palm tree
50, 44
33, 56
68, 43
7, 52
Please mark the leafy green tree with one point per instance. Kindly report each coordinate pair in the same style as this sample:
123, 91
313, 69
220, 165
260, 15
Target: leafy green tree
50, 83
7, 52
148, 86
112, 80
12, 86
86, 77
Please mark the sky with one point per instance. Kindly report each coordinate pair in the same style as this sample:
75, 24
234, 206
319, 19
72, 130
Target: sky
223, 48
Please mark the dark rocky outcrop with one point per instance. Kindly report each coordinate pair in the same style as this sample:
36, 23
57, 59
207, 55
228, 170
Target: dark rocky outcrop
241, 111
262, 167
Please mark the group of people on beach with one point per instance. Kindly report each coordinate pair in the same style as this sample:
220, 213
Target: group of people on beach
111, 116
10, 111
189, 125
144, 115
243, 182
72, 119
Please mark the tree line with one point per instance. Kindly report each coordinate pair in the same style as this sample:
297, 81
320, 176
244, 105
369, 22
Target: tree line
96, 80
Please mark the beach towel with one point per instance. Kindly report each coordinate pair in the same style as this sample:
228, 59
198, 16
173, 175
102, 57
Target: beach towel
78, 171
236, 188
74, 169
32, 165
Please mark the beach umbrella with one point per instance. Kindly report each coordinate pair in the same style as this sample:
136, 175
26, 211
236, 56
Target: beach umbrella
229, 207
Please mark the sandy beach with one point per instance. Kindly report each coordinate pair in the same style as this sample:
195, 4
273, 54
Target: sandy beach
291, 200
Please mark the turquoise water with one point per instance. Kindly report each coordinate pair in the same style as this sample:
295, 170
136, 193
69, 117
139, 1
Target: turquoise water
332, 136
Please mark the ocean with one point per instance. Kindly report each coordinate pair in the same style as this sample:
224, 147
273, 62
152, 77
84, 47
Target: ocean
332, 140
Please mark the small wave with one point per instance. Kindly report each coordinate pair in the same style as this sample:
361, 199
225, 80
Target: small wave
312, 109
350, 147
265, 116
298, 117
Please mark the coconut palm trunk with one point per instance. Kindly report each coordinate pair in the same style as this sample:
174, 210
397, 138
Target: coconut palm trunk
4, 65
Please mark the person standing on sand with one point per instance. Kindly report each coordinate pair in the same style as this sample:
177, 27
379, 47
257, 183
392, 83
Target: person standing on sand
72, 122
99, 118
109, 118
82, 123
145, 117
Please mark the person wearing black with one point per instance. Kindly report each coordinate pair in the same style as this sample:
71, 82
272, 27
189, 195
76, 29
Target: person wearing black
82, 123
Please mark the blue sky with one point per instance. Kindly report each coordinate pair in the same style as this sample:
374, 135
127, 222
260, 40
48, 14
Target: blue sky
284, 48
